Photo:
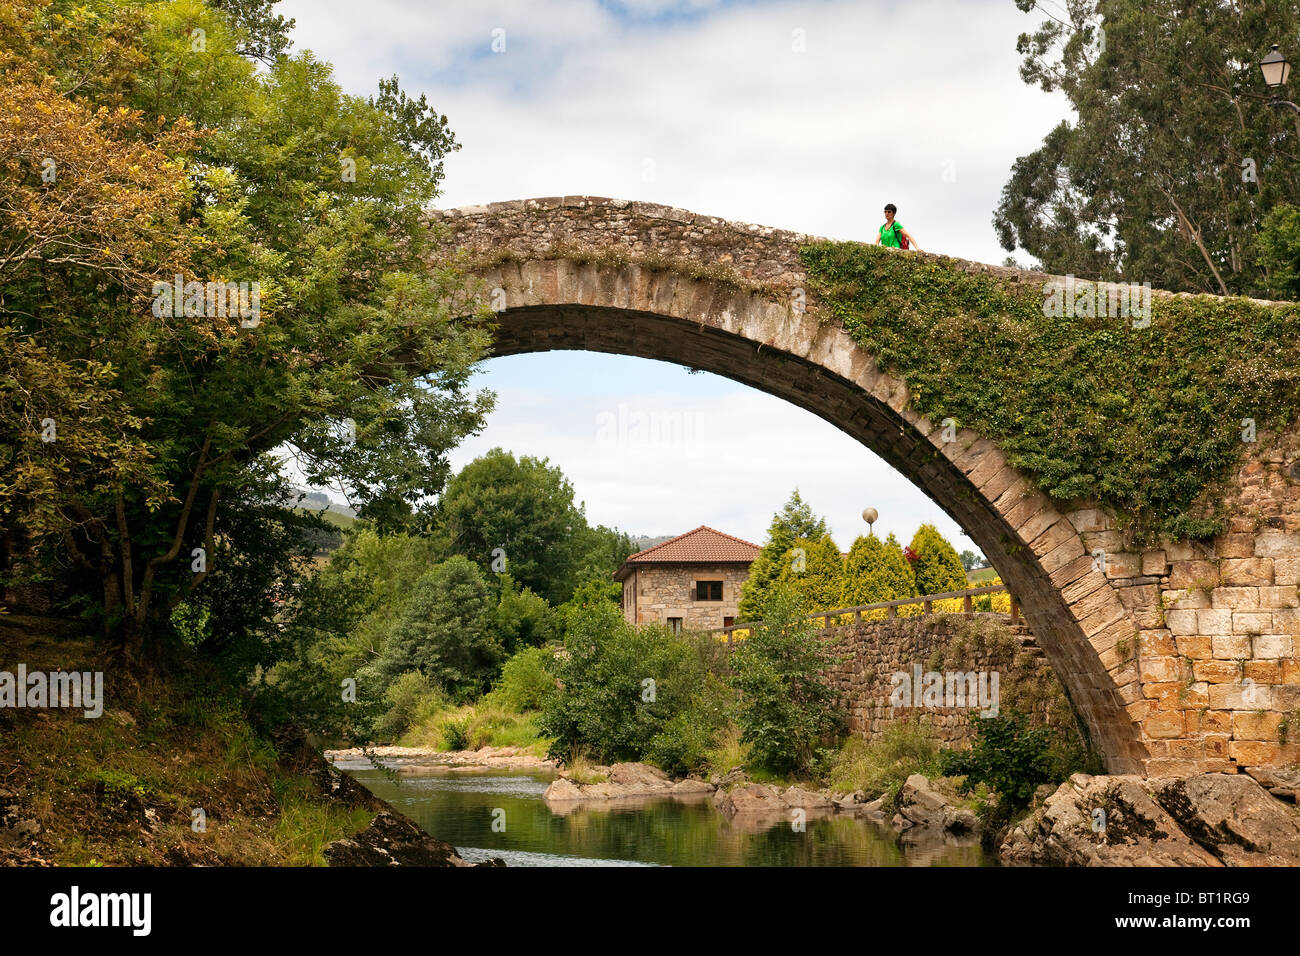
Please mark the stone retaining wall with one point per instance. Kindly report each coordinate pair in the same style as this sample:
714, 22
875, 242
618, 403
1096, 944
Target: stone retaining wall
944, 643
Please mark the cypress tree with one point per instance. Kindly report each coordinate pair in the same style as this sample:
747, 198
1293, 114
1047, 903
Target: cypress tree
938, 567
819, 578
795, 520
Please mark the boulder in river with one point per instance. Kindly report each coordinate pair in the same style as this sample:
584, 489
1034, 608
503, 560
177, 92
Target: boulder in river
1208, 819
393, 840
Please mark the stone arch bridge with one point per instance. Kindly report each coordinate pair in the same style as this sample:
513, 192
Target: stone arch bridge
1179, 659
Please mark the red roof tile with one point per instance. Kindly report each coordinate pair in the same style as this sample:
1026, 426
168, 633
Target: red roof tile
704, 545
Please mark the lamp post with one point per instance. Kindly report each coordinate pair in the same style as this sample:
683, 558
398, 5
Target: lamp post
869, 515
1277, 70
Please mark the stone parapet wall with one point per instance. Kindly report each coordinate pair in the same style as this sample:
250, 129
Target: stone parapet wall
875, 650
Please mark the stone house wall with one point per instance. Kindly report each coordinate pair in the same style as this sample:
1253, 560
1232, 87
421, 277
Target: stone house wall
653, 593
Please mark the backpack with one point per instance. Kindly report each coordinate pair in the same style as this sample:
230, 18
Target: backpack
902, 239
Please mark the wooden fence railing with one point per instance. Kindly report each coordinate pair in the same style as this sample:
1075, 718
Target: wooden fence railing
891, 608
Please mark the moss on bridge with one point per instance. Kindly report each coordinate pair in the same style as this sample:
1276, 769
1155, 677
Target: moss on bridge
1148, 421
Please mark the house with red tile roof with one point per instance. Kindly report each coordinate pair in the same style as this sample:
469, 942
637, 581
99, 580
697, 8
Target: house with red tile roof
691, 581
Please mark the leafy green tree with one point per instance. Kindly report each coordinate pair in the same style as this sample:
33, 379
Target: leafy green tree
788, 713
518, 514
601, 551
877, 571
355, 359
526, 681
1279, 251
266, 33
623, 685
445, 633
815, 571
523, 620
1160, 179
795, 520
970, 560
937, 569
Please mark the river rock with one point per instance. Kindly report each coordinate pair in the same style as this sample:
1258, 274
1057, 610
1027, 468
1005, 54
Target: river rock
922, 804
1132, 830
807, 799
749, 798
1233, 817
1280, 782
691, 787
562, 790
640, 777
393, 840
624, 780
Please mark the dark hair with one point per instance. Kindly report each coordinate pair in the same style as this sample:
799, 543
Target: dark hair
890, 207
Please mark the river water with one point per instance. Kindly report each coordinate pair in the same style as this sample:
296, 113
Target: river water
500, 813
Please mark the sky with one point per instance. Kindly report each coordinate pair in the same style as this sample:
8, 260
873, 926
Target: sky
803, 115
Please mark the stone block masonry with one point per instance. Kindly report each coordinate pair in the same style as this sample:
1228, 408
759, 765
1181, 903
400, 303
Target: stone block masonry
874, 651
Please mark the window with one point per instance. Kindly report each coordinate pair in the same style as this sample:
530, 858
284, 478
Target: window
708, 590
728, 621
675, 625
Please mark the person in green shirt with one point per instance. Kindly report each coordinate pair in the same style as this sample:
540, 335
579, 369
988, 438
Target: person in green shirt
891, 232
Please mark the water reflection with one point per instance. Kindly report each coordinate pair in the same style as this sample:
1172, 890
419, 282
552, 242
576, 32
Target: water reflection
461, 807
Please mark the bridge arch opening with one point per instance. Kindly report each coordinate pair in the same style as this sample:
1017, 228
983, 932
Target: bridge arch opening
701, 321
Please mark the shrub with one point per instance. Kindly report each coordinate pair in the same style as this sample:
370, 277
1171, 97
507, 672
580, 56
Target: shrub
787, 712
1010, 756
938, 568
819, 578
877, 571
405, 696
880, 767
682, 746
526, 681
455, 734
621, 684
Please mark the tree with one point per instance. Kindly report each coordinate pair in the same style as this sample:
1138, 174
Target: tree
523, 620
970, 560
794, 520
343, 347
445, 633
814, 570
266, 34
1175, 156
877, 571
623, 685
601, 551
937, 568
1279, 251
517, 516
787, 710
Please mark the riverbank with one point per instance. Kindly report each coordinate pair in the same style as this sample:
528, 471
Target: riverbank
415, 760
171, 774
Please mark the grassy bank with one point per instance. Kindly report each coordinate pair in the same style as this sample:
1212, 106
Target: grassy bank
122, 789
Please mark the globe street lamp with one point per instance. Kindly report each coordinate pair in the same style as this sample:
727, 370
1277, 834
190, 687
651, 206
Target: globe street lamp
869, 515
1277, 70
